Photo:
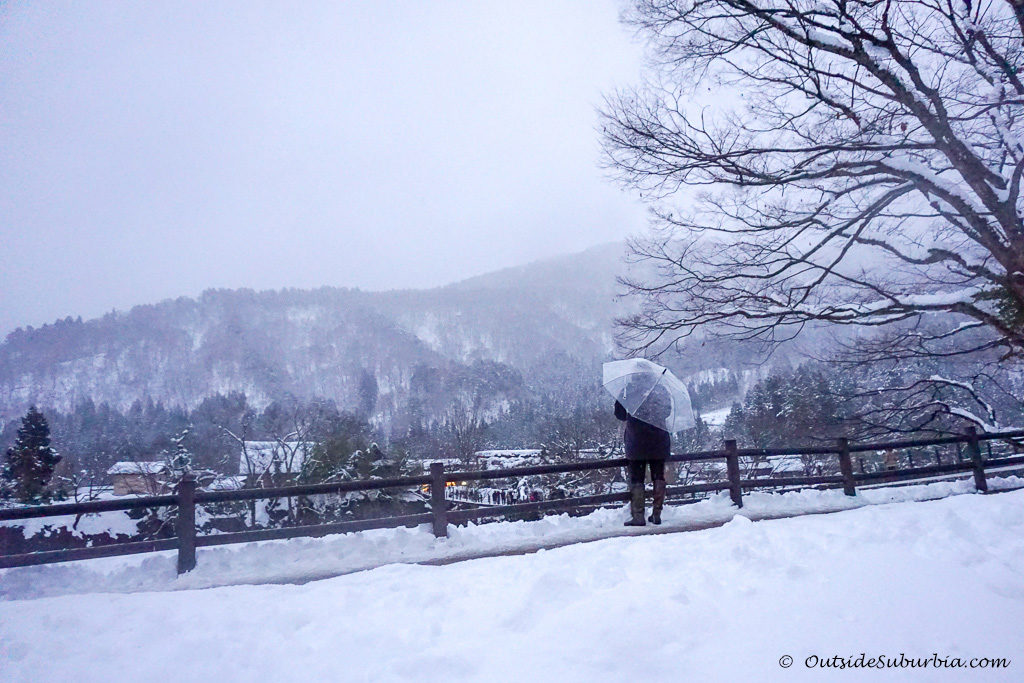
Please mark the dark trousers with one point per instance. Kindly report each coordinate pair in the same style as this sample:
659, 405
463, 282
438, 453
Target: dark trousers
638, 467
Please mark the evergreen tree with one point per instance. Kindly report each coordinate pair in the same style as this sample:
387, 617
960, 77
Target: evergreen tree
29, 463
367, 393
787, 409
178, 456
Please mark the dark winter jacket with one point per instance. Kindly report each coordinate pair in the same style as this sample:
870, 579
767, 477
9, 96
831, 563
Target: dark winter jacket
643, 441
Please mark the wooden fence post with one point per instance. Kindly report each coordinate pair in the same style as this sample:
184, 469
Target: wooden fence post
438, 505
186, 527
974, 451
732, 465
846, 467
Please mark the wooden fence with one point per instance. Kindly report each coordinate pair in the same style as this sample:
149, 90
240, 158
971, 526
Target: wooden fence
186, 497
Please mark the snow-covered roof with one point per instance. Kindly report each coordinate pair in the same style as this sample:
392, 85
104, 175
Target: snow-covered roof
138, 467
508, 453
273, 456
447, 462
505, 459
789, 463
717, 417
227, 483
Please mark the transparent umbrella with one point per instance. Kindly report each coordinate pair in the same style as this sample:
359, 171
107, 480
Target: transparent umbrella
649, 392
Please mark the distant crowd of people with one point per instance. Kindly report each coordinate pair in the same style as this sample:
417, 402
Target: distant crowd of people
494, 496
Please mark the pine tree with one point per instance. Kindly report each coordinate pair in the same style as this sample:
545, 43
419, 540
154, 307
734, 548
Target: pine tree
29, 463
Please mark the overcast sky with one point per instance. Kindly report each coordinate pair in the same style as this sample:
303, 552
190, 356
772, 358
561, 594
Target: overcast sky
151, 150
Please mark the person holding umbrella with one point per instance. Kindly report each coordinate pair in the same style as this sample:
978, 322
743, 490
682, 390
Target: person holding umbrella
653, 403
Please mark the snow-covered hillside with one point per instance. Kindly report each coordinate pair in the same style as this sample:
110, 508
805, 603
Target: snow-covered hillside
546, 320
908, 578
316, 342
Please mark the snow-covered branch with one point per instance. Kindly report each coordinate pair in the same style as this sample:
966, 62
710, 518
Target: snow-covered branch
859, 164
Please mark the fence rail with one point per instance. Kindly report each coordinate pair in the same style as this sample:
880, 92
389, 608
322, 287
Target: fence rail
186, 497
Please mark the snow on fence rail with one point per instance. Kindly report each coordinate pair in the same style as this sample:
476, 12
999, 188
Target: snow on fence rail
186, 497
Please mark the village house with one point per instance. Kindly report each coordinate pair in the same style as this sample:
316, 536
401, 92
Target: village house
789, 466
141, 478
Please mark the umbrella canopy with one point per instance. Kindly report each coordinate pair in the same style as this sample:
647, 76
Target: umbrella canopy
650, 393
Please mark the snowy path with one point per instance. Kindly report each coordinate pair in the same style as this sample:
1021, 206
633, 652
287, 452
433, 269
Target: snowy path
942, 577
304, 560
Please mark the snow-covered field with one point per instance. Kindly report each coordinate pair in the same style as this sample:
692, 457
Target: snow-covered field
944, 576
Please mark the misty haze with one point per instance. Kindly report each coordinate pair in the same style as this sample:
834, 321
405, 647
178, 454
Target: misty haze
364, 341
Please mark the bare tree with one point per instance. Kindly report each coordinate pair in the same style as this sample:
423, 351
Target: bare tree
463, 430
850, 163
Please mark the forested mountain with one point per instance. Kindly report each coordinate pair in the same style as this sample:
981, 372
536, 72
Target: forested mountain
528, 329
531, 324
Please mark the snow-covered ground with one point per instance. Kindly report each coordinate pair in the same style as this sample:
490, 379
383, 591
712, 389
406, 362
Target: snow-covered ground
716, 418
725, 603
300, 560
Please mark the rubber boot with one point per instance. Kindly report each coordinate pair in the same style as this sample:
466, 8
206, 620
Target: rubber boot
636, 506
659, 501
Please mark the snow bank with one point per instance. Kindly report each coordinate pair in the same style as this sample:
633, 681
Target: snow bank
727, 603
301, 560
